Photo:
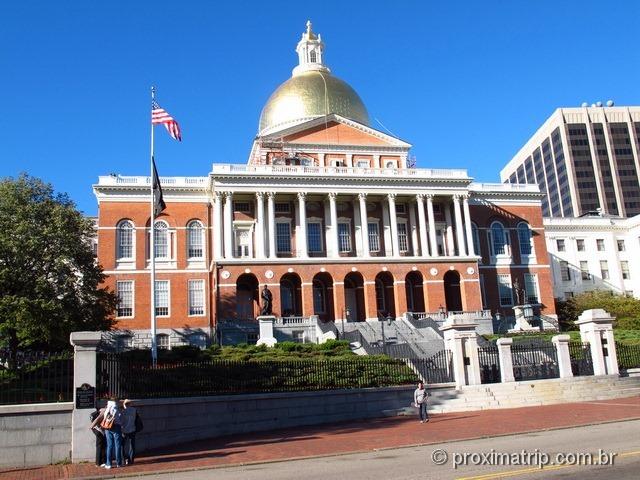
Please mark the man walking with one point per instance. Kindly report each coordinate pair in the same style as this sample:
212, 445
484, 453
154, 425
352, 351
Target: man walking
420, 400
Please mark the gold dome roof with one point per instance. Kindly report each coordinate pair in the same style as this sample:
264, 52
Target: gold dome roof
309, 95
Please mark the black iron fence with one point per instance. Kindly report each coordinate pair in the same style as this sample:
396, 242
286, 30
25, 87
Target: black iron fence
36, 377
489, 364
122, 377
581, 362
534, 361
628, 355
435, 369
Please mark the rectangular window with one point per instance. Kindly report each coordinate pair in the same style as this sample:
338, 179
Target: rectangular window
282, 207
624, 266
196, 297
374, 237
565, 274
600, 244
531, 287
344, 237
604, 269
568, 295
162, 298
403, 242
621, 246
560, 245
283, 237
505, 290
124, 290
584, 269
363, 163
401, 208
314, 237
162, 340
580, 244
244, 207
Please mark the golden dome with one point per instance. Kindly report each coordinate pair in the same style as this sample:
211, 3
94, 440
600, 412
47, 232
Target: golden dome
308, 95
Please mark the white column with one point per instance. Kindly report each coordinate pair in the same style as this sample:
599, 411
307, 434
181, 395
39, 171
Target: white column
467, 226
271, 212
561, 342
228, 225
448, 240
334, 225
364, 224
459, 227
422, 226
301, 238
505, 360
217, 226
413, 230
432, 227
393, 220
260, 226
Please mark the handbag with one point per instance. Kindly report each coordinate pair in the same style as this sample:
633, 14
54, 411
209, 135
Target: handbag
107, 421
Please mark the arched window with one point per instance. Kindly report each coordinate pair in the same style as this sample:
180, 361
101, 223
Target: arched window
476, 239
195, 240
124, 240
524, 239
312, 56
161, 239
498, 239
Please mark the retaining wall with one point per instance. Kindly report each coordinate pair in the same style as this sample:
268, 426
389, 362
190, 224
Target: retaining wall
35, 434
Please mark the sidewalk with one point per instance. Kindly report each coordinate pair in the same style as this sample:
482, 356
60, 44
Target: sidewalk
357, 436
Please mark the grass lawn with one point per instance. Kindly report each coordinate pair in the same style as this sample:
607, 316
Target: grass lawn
630, 337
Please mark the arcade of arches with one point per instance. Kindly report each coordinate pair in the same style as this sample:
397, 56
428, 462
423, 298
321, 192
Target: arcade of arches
349, 293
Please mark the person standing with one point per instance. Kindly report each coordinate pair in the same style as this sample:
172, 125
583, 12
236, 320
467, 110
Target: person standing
129, 415
100, 439
420, 400
110, 420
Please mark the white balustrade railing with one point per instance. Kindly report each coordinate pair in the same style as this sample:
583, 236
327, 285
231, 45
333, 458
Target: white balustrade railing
109, 180
293, 320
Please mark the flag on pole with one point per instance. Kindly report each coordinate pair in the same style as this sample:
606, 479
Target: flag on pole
158, 201
161, 116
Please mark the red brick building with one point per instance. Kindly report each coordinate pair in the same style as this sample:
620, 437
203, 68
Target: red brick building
329, 214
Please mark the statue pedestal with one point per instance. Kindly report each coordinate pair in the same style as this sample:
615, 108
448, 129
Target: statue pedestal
522, 325
266, 330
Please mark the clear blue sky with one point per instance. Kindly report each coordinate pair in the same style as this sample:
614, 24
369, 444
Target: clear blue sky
466, 82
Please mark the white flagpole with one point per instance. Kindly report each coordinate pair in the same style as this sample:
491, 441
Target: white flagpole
152, 253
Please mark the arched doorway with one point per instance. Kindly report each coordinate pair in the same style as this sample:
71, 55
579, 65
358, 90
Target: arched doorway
322, 286
413, 284
354, 296
385, 299
452, 294
246, 296
290, 295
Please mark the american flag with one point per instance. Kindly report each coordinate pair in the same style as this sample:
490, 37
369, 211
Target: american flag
161, 116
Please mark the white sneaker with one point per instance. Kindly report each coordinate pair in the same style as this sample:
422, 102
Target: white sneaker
107, 467
421, 421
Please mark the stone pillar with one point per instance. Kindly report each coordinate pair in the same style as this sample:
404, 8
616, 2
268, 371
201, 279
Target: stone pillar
271, 212
467, 226
333, 210
561, 343
459, 226
228, 225
393, 220
266, 331
422, 226
364, 224
505, 359
448, 237
461, 339
596, 327
301, 239
433, 243
217, 225
260, 225
413, 230
84, 372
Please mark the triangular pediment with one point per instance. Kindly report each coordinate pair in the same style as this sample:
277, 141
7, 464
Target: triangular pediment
334, 130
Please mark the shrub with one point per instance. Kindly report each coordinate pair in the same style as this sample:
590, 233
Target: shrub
627, 323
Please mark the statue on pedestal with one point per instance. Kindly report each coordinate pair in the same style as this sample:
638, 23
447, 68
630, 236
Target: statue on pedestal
267, 301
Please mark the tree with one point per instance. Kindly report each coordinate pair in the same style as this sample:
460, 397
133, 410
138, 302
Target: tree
626, 309
50, 282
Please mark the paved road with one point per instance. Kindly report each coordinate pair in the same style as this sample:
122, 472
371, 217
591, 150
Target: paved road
412, 463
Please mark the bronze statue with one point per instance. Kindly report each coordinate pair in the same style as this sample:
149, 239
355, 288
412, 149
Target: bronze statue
267, 301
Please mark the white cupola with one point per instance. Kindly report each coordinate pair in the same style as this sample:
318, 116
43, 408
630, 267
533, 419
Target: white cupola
310, 50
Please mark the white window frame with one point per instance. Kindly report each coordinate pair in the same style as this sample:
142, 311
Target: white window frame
192, 227
376, 222
347, 222
200, 290
242, 206
133, 298
605, 263
604, 247
155, 293
282, 207
585, 274
163, 335
621, 243
406, 235
169, 260
625, 271
319, 286
122, 261
565, 272
315, 221
499, 257
532, 283
580, 245
526, 257
508, 284
240, 228
561, 245
287, 221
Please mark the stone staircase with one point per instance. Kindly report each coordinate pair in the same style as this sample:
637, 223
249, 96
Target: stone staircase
533, 393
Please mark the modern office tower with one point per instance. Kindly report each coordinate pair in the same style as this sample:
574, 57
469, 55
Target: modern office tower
584, 159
